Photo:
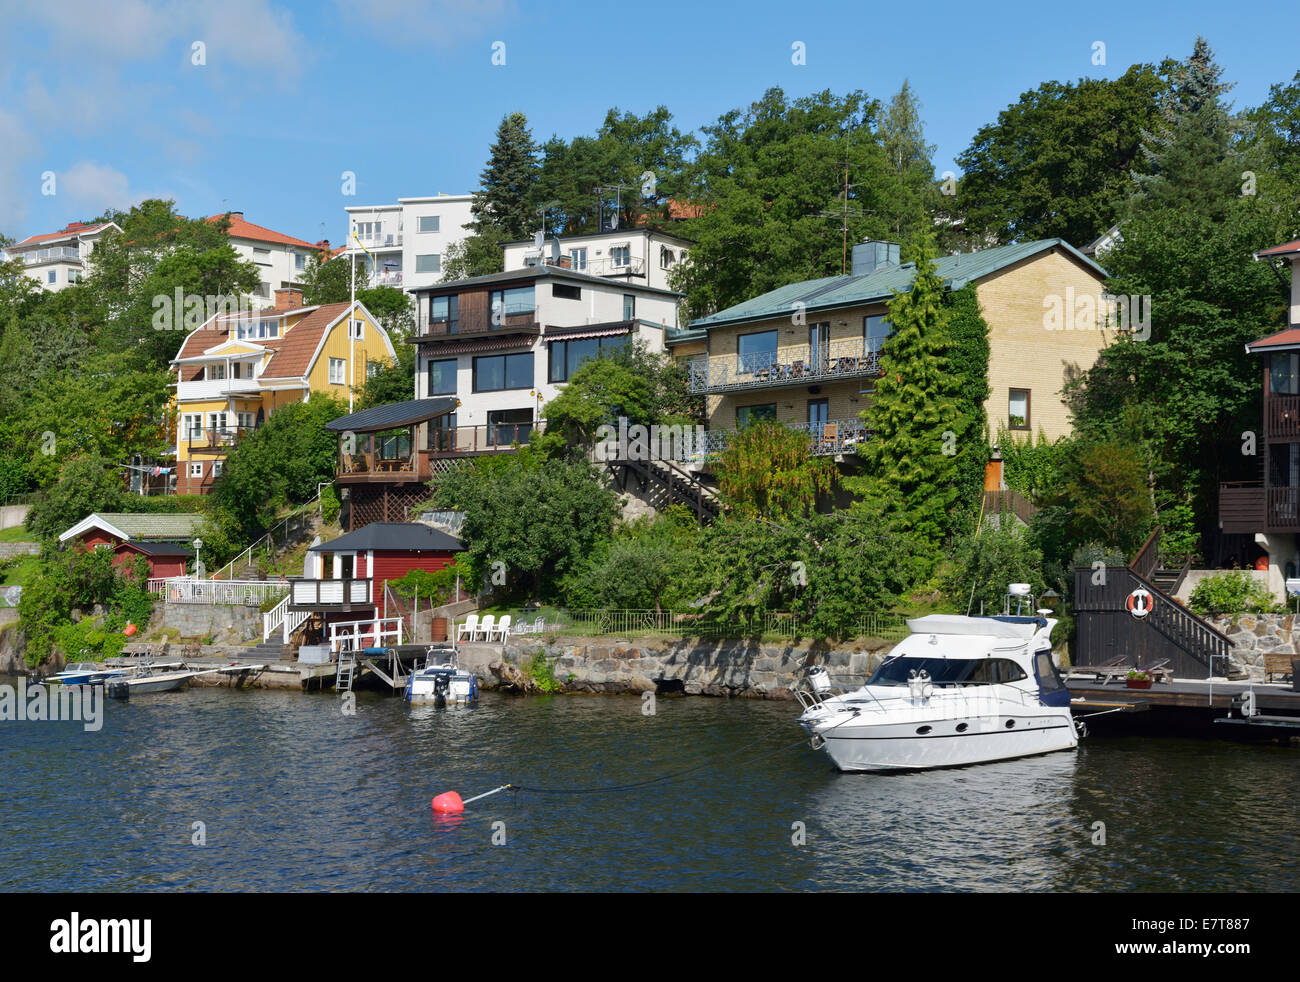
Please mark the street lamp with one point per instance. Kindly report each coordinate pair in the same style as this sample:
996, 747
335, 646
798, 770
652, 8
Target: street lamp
198, 561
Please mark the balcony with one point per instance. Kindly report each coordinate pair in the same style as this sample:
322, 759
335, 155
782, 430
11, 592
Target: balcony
833, 437
60, 254
340, 594
392, 278
217, 388
214, 440
384, 467
388, 240
795, 365
635, 265
514, 322
1283, 415
1252, 507
493, 438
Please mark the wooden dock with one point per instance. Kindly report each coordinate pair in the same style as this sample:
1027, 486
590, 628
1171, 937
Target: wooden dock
1188, 707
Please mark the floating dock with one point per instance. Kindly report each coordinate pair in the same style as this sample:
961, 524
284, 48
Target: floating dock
1188, 707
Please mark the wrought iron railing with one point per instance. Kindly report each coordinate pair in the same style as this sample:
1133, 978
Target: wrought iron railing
832, 436
792, 365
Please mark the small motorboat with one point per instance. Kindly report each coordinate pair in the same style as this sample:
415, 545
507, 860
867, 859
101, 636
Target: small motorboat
85, 673
441, 681
147, 682
958, 690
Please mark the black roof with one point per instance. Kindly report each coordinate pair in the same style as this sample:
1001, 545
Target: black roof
536, 273
160, 548
392, 415
393, 537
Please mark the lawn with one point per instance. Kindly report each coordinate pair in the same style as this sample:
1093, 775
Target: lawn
18, 533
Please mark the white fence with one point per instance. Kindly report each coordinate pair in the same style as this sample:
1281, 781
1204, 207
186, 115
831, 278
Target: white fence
183, 590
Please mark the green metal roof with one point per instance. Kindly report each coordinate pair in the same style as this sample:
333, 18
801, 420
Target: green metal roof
881, 284
149, 526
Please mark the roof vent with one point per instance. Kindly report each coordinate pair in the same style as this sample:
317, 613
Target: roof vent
872, 255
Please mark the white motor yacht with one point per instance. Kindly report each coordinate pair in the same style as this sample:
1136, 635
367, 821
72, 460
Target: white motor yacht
958, 690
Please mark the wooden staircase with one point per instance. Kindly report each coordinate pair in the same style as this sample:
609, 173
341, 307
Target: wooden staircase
676, 485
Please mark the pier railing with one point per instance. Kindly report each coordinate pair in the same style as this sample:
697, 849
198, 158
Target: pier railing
886, 625
184, 590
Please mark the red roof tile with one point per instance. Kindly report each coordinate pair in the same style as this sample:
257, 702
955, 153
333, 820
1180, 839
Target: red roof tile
1282, 250
73, 228
293, 357
240, 229
1289, 336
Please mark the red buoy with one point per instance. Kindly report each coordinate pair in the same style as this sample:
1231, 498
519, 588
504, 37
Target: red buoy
130, 630
448, 803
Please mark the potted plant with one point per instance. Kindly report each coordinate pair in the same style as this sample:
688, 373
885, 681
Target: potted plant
1138, 679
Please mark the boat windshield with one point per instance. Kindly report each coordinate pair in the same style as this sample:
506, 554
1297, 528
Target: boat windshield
949, 671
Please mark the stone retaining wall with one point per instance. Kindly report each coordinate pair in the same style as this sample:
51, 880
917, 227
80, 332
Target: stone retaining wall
724, 668
1253, 635
10, 549
227, 623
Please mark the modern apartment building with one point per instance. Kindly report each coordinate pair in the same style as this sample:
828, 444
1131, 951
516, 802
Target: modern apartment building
236, 370
58, 259
639, 255
403, 245
280, 259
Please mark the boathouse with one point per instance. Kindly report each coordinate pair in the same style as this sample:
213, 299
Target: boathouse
163, 539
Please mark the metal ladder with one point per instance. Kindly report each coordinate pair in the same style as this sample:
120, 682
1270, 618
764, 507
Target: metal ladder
346, 672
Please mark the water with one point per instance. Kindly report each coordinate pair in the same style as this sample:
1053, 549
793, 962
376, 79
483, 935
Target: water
295, 796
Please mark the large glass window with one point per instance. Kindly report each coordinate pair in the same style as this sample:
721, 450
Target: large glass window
442, 377
566, 356
629, 307
446, 311
429, 223
949, 671
748, 415
1285, 375
507, 426
432, 263
516, 300
493, 372
875, 329
1018, 412
757, 351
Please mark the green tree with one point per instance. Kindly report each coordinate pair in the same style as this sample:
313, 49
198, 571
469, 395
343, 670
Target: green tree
768, 471
902, 137
87, 484
1057, 163
984, 563
1105, 485
475, 255
508, 182
911, 458
332, 280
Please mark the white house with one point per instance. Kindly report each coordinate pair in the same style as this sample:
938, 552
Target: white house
641, 255
403, 245
280, 259
58, 259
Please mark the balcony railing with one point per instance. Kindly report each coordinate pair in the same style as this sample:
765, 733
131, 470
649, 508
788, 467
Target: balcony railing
58, 254
305, 592
1250, 507
212, 439
1283, 416
447, 441
834, 436
794, 365
381, 466
390, 278
522, 320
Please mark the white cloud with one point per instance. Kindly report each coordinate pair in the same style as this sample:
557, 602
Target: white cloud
18, 181
89, 188
442, 22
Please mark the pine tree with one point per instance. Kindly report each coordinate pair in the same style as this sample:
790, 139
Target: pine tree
1192, 159
916, 430
505, 203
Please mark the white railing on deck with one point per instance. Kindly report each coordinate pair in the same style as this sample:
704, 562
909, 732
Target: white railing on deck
184, 590
282, 618
355, 635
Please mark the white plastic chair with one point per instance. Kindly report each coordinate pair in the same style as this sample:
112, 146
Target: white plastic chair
470, 627
503, 629
487, 627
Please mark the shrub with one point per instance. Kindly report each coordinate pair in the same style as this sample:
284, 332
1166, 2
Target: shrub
1231, 593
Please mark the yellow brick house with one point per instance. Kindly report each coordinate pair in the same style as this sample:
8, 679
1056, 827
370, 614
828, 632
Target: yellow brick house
234, 371
807, 354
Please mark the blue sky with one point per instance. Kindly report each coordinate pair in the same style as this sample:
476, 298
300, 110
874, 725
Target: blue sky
104, 93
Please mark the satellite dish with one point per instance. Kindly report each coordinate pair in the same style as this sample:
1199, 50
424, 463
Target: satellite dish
538, 240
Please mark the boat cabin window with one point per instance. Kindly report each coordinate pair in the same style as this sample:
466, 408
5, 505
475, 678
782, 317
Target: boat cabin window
1048, 677
949, 671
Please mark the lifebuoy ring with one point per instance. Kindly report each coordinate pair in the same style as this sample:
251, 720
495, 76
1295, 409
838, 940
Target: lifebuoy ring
1140, 602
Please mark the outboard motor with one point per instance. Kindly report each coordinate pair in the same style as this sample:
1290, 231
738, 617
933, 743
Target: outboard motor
441, 686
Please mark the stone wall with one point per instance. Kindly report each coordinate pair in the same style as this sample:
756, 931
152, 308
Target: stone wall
10, 549
13, 515
227, 623
1255, 634
723, 668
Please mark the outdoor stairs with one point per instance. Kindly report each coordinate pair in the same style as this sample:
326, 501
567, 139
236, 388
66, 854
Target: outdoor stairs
267, 651
674, 484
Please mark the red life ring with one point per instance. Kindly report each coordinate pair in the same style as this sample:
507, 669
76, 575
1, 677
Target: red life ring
1140, 602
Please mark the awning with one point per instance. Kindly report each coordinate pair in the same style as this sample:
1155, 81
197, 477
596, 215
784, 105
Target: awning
391, 416
487, 344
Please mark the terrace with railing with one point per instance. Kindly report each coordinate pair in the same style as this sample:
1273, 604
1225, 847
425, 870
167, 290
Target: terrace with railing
214, 438
849, 358
511, 322
35, 257
827, 438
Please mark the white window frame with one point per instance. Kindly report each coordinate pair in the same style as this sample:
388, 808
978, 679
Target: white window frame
623, 252
196, 468
357, 329
578, 258
342, 370
420, 264
437, 223
216, 468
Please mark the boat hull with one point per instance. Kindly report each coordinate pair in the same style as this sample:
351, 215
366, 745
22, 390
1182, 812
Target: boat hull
442, 687
125, 688
883, 747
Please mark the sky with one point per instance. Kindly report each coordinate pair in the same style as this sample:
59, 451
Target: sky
261, 106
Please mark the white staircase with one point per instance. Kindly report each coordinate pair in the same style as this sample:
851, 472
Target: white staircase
280, 616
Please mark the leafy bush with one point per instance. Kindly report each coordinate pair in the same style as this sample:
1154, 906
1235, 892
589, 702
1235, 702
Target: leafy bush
984, 564
437, 587
330, 505
1230, 593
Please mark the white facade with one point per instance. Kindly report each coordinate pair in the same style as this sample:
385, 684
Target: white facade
281, 260
408, 242
641, 255
559, 305
58, 260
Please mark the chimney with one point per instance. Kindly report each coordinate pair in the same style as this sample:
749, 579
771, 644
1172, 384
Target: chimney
289, 296
871, 255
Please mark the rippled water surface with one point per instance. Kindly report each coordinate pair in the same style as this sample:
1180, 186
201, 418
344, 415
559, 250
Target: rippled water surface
294, 795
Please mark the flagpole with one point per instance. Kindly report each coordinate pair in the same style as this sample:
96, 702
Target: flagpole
352, 310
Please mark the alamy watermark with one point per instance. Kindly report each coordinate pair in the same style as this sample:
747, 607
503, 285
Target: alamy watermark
1092, 312
53, 703
189, 311
655, 442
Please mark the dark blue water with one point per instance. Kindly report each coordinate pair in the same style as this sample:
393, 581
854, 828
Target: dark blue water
293, 795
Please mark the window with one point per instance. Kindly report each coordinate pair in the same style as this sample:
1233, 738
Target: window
494, 372
74, 276
507, 426
564, 291
216, 371
191, 426
748, 415
629, 307
196, 468
441, 434
949, 671
337, 367
620, 255
1285, 374
357, 330
217, 422
235, 369
431, 263
299, 261
373, 368
757, 351
874, 330
566, 356
445, 311
666, 258
263, 290
442, 377
50, 276
216, 468
818, 414
579, 258
1018, 413
428, 223
262, 257
517, 300
246, 420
